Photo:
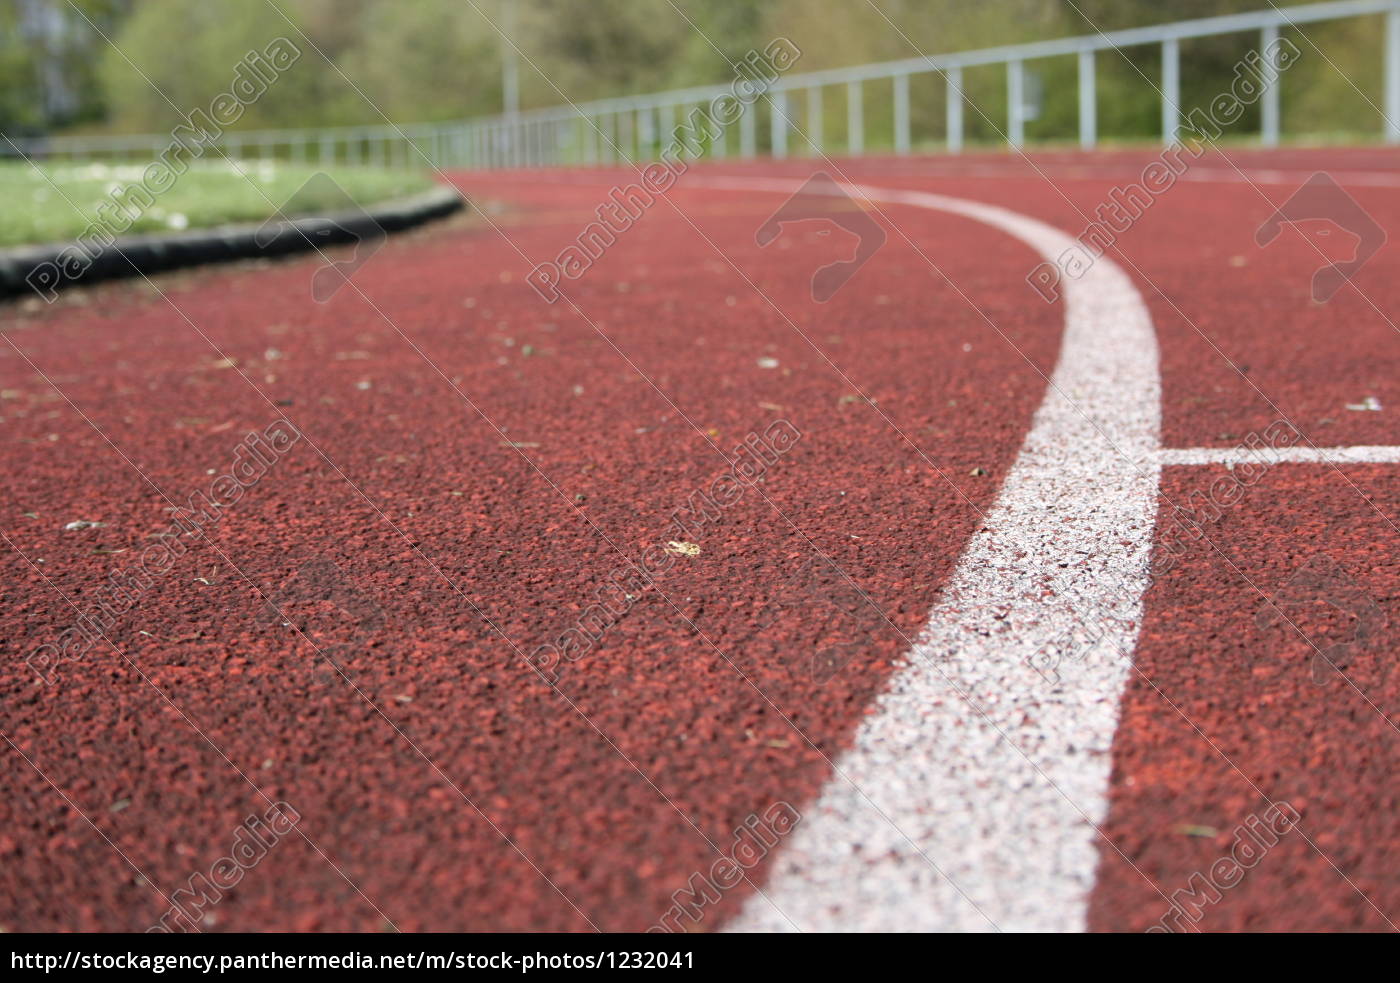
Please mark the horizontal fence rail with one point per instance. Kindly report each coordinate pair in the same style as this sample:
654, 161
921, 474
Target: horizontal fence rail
636, 128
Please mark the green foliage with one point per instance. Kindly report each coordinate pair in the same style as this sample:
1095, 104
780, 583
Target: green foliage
426, 60
173, 57
48, 55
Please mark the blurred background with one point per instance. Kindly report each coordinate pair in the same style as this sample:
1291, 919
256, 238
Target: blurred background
436, 60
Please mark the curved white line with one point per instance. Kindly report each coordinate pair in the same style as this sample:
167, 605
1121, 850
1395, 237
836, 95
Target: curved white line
1062, 557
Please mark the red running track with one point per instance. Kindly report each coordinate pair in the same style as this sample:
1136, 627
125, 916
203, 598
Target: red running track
475, 465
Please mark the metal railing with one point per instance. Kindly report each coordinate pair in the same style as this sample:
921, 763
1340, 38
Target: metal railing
636, 128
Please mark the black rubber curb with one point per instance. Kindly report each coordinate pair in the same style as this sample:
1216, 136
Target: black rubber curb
144, 254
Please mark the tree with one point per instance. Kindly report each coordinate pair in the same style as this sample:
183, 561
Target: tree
48, 53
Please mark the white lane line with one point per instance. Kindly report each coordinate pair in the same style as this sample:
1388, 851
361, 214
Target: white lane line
1066, 545
1361, 454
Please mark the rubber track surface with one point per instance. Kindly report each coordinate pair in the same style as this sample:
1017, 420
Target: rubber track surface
476, 464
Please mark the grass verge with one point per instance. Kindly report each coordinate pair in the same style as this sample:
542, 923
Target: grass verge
55, 203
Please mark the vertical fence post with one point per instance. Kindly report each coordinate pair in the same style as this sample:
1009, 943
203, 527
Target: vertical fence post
1392, 77
1171, 90
778, 104
748, 131
1015, 103
814, 119
683, 112
901, 113
590, 140
668, 125
1088, 101
1269, 111
855, 119
955, 108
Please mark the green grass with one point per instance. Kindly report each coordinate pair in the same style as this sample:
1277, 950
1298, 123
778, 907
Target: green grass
56, 202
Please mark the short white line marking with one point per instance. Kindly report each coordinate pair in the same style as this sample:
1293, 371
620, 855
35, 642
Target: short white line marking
1172, 457
1066, 544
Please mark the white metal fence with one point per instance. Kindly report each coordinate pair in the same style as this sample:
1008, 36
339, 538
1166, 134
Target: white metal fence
636, 128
